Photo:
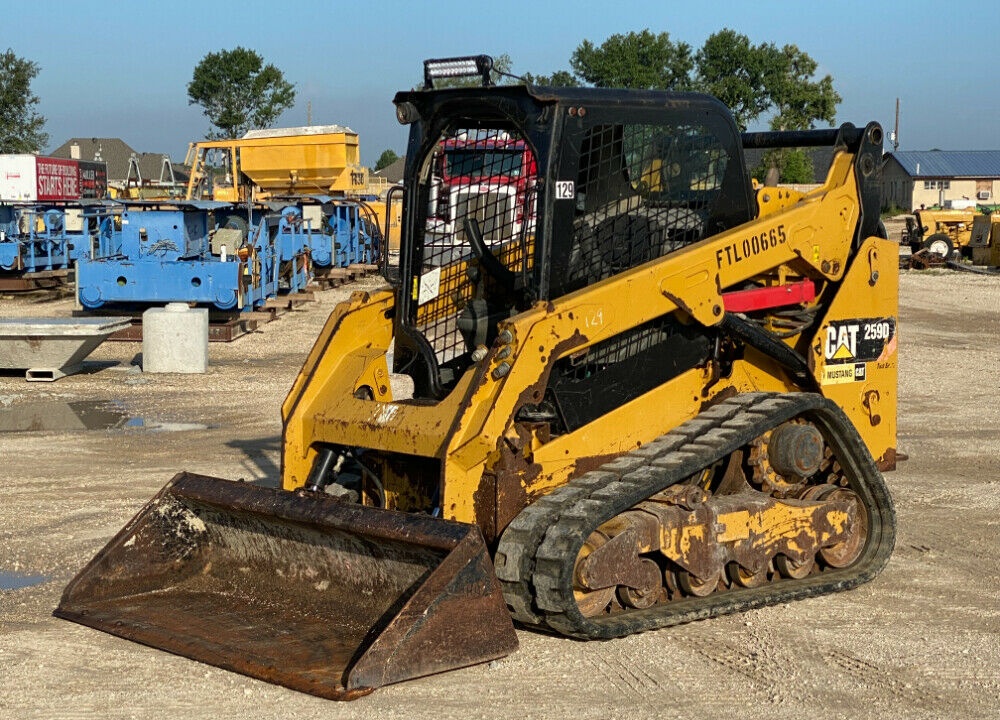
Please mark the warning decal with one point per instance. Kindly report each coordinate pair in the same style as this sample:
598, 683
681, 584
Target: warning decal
429, 286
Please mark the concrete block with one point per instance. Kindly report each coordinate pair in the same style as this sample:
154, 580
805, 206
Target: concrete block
49, 348
175, 339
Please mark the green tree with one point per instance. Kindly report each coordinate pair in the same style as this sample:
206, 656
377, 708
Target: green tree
560, 78
387, 158
756, 79
636, 60
785, 165
798, 100
733, 70
20, 125
753, 81
796, 167
237, 92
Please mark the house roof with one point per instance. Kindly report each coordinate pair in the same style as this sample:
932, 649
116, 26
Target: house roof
155, 167
394, 171
117, 153
114, 151
182, 172
949, 163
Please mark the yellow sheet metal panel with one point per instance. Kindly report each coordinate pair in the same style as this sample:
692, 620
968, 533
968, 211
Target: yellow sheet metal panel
472, 432
855, 353
994, 244
302, 164
390, 220
313, 160
355, 336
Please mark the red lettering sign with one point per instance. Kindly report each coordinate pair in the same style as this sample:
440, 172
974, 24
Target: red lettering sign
58, 179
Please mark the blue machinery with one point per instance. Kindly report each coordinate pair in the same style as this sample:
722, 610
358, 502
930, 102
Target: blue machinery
171, 255
348, 233
221, 255
211, 253
35, 240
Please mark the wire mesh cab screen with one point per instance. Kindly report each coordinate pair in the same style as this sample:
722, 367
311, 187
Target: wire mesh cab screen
642, 191
478, 234
627, 180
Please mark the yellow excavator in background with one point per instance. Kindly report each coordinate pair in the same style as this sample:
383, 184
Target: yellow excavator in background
661, 397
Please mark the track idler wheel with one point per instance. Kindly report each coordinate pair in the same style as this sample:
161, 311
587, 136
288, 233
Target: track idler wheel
739, 575
845, 553
606, 564
698, 587
848, 550
590, 602
794, 569
641, 598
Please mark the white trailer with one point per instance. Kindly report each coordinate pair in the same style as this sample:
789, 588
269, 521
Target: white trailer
32, 178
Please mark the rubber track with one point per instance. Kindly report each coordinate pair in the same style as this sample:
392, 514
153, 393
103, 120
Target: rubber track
537, 553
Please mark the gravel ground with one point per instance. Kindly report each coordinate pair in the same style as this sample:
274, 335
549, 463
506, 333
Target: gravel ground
921, 641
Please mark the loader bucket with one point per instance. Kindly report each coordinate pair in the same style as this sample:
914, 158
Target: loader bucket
322, 596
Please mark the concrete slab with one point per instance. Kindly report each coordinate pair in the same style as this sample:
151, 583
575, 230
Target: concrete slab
49, 348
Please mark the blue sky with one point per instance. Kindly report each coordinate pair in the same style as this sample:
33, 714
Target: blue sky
120, 69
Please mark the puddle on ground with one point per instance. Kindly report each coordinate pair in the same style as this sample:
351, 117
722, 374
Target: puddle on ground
15, 580
81, 415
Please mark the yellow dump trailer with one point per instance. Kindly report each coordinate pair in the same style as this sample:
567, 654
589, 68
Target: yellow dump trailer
317, 159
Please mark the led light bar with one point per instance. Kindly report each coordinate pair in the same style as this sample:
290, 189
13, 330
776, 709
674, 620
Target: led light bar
468, 66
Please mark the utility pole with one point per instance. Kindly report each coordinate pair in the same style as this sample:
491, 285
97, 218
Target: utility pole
309, 112
895, 132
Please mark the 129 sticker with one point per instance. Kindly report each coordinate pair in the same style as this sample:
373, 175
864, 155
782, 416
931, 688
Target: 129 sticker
565, 190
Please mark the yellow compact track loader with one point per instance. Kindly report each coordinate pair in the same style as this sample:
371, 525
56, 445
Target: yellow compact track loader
608, 388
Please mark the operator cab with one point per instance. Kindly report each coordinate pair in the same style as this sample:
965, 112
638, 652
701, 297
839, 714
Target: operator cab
520, 194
